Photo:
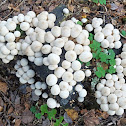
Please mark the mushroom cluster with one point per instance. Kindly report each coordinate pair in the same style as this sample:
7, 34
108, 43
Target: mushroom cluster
108, 36
111, 94
24, 73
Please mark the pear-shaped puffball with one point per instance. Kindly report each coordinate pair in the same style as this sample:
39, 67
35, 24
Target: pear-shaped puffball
70, 56
24, 26
105, 91
51, 103
75, 31
66, 64
69, 23
43, 24
29, 51
38, 85
98, 29
64, 94
65, 11
78, 49
76, 65
120, 111
45, 95
38, 61
38, 92
53, 59
89, 27
104, 107
83, 93
98, 94
85, 56
55, 89
63, 85
59, 71
67, 76
51, 79
117, 44
49, 37
59, 42
57, 50
24, 62
80, 99
104, 100
105, 43
52, 67
30, 73
11, 25
56, 31
69, 45
9, 37
112, 98
52, 17
65, 31
46, 49
99, 36
31, 14
99, 86
87, 73
3, 30
79, 76
109, 83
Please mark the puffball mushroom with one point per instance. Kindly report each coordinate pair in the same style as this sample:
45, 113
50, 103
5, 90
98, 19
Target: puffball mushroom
99, 86
46, 49
114, 106
110, 112
38, 61
30, 73
43, 24
9, 37
105, 43
4, 50
65, 11
99, 36
11, 25
3, 30
63, 85
49, 37
83, 93
114, 77
105, 91
20, 17
66, 64
86, 49
112, 98
59, 42
51, 79
50, 24
53, 59
98, 29
52, 67
70, 56
78, 87
55, 89
109, 83
59, 71
98, 94
118, 61
24, 26
69, 23
51, 17
24, 62
69, 45
56, 50
65, 31
76, 65
80, 99
56, 31
51, 103
117, 44
78, 48
79, 75
104, 107
120, 111
82, 39
87, 73
17, 34
95, 23
29, 51
64, 94
31, 14
45, 95
116, 37
104, 100
38, 85
67, 76
85, 56
89, 27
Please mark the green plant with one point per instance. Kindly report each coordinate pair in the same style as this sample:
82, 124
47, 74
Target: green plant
80, 23
50, 114
22, 32
99, 1
123, 33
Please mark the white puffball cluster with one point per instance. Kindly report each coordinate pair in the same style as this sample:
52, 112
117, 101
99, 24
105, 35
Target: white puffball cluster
24, 73
107, 36
111, 94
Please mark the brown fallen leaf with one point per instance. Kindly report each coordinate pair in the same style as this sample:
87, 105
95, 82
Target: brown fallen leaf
101, 114
3, 87
27, 116
10, 110
90, 118
73, 114
86, 9
17, 122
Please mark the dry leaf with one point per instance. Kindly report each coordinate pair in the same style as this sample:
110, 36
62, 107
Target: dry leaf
17, 122
90, 118
10, 110
86, 9
27, 116
72, 114
3, 87
71, 8
101, 114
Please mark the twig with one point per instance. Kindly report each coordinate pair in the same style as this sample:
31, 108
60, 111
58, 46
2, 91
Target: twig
13, 10
3, 3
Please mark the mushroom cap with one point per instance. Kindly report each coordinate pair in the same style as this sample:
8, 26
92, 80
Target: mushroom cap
105, 91
118, 93
24, 62
66, 64
49, 37
36, 46
65, 31
110, 38
87, 73
104, 107
78, 87
69, 23
28, 19
51, 103
95, 23
80, 99
11, 25
11, 45
70, 56
24, 26
98, 29
32, 86
99, 86
25, 68
29, 51
17, 34
76, 65
46, 49
110, 26
38, 92
86, 49
45, 95
38, 61
118, 61
53, 59
65, 11
116, 37
45, 61
55, 89
123, 55
43, 86
72, 83
38, 85
104, 100
9, 37
99, 36
109, 83
20, 17
3, 30
4, 50
67, 76
85, 56
52, 17
30, 73
120, 111
64, 94
31, 81
69, 45
56, 31
56, 50
108, 76
78, 49
35, 22
31, 14
50, 24
52, 67
51, 79
98, 94
106, 31
43, 24
121, 101
40, 36
115, 31
83, 93
79, 75
114, 77
105, 43
112, 98
63, 85
89, 27
123, 63
110, 112
59, 71
59, 42
117, 44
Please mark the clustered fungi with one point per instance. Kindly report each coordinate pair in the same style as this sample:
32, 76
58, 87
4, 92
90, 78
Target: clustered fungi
46, 47
107, 36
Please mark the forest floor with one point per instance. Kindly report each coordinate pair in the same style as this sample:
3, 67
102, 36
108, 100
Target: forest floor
16, 99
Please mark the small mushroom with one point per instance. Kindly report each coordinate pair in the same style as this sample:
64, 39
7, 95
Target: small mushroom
53, 59
112, 98
51, 79
99, 36
51, 103
76, 65
79, 75
59, 71
55, 89
67, 76
70, 56
63, 85
64, 94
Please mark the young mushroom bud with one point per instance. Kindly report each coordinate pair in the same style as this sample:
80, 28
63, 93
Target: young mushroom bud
78, 87
114, 106
38, 61
80, 99
98, 94
38, 85
46, 49
105, 91
59, 42
51, 79
65, 31
24, 26
83, 93
99, 86
38, 92
117, 44
57, 50
56, 31
69, 45
53, 59
112, 98
11, 25
30, 73
104, 100
76, 65
59, 71
9, 37
49, 37
109, 83
79, 76
70, 56
51, 103
99, 36
104, 107
64, 94
52, 67
87, 73
105, 43
78, 49
43, 24
45, 95
89, 27
120, 111
63, 85
67, 76
66, 64
55, 89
